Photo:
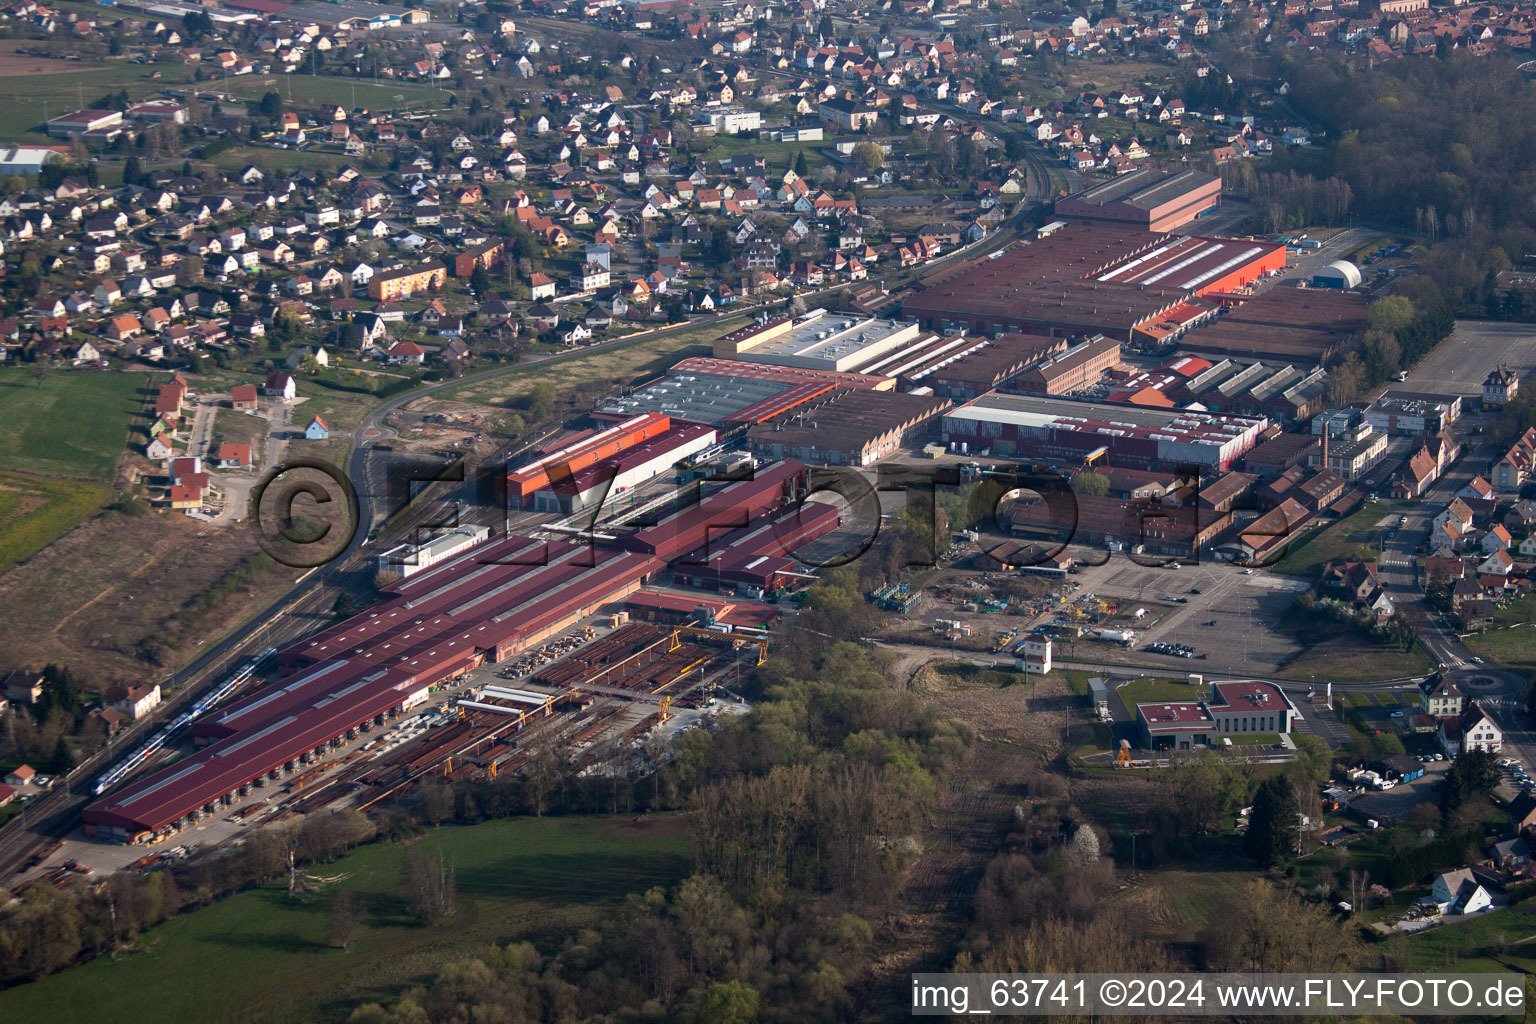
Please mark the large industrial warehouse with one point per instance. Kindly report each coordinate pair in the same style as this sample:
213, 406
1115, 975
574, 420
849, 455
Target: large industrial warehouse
1086, 278
818, 340
482, 605
1147, 198
607, 483
1308, 326
1135, 437
848, 427
580, 453
725, 393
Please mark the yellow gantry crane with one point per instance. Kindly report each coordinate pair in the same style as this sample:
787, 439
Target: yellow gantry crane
737, 641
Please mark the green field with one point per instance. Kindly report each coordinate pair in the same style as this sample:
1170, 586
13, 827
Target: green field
304, 90
35, 510
1503, 934
1513, 648
26, 101
232, 161
262, 956
1350, 659
29, 100
1344, 539
59, 444
73, 424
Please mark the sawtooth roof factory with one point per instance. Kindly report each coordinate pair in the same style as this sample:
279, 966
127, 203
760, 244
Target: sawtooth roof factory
728, 393
1279, 391
1304, 325
1088, 278
818, 340
1147, 198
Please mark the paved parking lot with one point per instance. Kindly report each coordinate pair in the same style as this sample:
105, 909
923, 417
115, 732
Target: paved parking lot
1243, 608
1460, 363
1398, 801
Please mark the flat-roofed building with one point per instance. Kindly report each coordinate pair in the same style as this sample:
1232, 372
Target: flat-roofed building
30, 159
1140, 438
1305, 326
996, 363
69, 126
1237, 708
729, 392
409, 559
1091, 277
819, 340
1407, 414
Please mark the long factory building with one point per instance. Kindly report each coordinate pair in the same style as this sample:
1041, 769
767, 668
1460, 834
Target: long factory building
606, 483
582, 452
485, 604
1131, 436
1146, 198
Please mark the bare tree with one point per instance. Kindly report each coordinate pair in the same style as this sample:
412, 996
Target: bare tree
343, 916
432, 886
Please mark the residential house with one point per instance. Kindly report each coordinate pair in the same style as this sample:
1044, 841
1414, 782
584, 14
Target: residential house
1440, 698
134, 701
1472, 730
1458, 892
280, 385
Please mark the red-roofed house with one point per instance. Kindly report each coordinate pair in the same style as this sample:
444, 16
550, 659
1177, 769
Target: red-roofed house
233, 456
121, 328
243, 396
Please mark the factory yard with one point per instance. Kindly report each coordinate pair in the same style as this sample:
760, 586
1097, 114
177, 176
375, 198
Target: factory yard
605, 688
1231, 621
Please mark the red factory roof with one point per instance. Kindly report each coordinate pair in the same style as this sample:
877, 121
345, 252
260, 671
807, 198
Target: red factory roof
382, 668
684, 604
589, 449
728, 508
774, 538
639, 455
423, 630
162, 797
1188, 366
782, 402
1189, 263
